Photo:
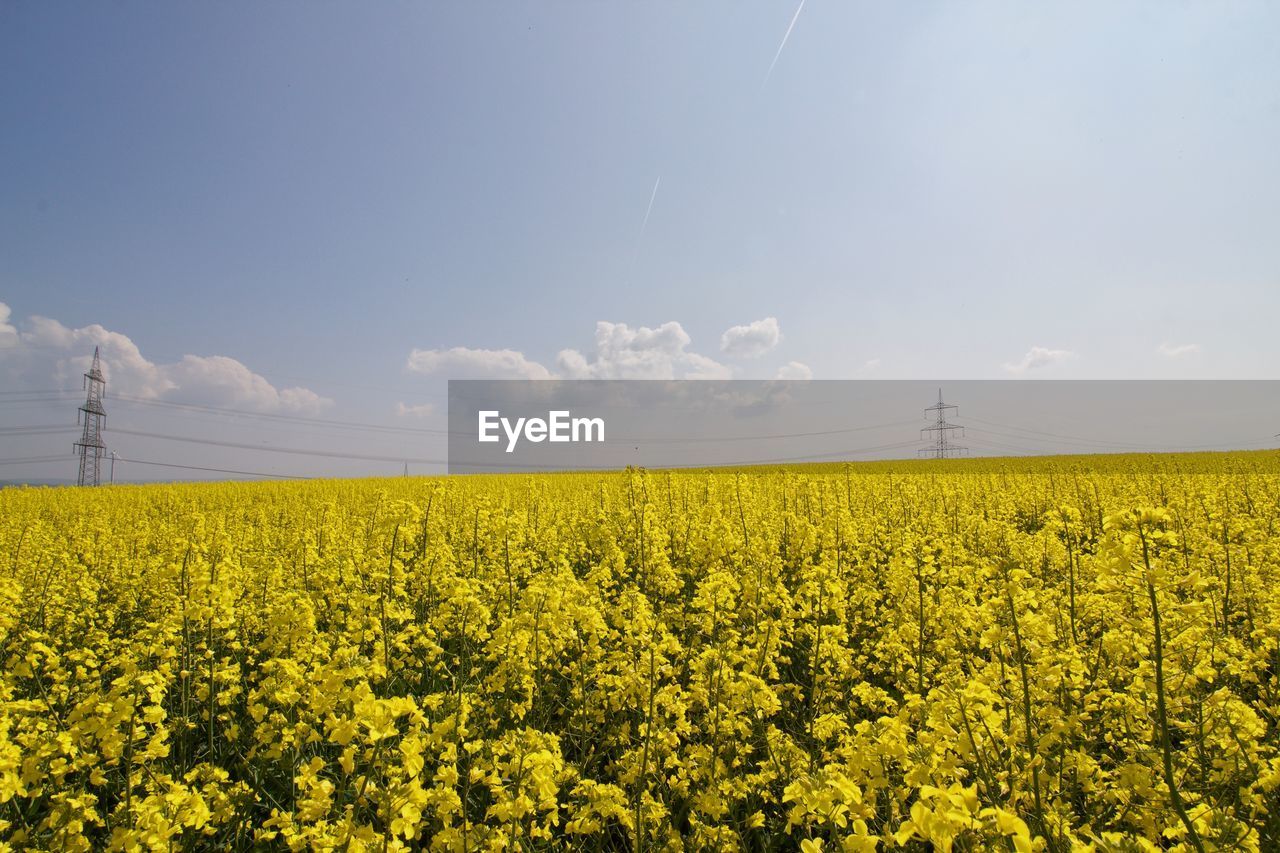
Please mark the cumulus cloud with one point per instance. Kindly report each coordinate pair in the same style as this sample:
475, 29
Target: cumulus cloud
466, 363
421, 410
46, 351
752, 340
1039, 357
696, 366
794, 370
8, 333
222, 380
1177, 350
870, 366
299, 399
618, 352
642, 353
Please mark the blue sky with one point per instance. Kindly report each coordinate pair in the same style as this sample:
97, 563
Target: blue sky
317, 191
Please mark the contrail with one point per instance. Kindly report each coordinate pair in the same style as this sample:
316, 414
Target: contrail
635, 254
786, 36
649, 209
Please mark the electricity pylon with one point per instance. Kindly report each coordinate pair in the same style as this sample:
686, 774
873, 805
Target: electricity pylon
90, 446
942, 433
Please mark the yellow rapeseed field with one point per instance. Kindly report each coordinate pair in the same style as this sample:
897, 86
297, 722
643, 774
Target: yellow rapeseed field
1055, 654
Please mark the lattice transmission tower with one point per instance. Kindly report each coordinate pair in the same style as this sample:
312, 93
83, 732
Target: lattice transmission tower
942, 447
90, 446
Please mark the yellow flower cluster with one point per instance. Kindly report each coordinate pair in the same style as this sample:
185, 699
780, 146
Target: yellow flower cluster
1040, 655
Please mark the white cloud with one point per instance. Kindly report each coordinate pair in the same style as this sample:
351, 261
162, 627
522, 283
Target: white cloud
47, 351
8, 334
642, 353
1177, 350
752, 340
421, 410
298, 399
794, 370
1039, 357
466, 363
619, 352
224, 381
696, 366
870, 365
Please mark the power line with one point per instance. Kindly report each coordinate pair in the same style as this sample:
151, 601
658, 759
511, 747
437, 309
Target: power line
42, 396
836, 455
34, 460
402, 459
342, 424
720, 439
37, 429
1001, 447
31, 460
197, 407
446, 432
357, 425
1057, 440
1036, 432
1040, 451
271, 448
276, 416
941, 432
1104, 443
36, 398
331, 454
213, 470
